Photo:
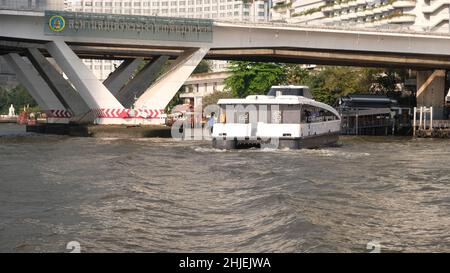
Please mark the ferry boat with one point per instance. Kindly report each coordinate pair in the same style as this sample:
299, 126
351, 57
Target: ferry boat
287, 117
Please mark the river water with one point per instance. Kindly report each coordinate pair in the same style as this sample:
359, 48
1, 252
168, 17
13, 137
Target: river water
162, 195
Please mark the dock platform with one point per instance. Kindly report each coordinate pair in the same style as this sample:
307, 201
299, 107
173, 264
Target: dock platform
426, 126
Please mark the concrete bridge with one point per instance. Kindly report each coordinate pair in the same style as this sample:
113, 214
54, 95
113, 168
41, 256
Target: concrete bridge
56, 41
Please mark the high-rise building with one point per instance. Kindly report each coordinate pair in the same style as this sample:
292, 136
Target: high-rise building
211, 9
32, 5
416, 15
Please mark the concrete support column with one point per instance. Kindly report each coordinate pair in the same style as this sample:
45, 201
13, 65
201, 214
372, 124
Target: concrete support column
117, 79
447, 98
141, 82
93, 92
431, 91
60, 87
159, 94
29, 77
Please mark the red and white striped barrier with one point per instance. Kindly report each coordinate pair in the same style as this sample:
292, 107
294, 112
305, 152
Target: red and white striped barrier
129, 113
58, 114
112, 113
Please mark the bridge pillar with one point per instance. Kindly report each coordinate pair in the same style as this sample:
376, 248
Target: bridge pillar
447, 98
141, 82
106, 108
117, 79
431, 91
159, 94
68, 96
29, 77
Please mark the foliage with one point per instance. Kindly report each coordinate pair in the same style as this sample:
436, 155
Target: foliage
253, 78
202, 67
282, 5
308, 11
17, 96
215, 97
327, 83
296, 75
174, 101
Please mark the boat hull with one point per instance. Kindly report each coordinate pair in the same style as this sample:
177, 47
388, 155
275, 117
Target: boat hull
309, 142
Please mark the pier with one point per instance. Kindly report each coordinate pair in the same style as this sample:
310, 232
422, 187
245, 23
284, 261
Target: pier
425, 126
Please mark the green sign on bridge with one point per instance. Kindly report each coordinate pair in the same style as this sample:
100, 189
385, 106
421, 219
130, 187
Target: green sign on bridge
128, 26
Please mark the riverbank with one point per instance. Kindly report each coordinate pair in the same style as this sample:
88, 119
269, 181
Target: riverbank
8, 119
118, 131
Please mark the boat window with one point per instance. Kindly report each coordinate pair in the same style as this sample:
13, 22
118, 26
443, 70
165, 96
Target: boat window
291, 114
289, 91
311, 114
242, 117
275, 116
238, 114
222, 114
286, 114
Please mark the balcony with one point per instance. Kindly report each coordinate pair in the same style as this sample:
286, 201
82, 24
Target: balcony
368, 12
378, 10
328, 9
352, 4
386, 8
435, 6
345, 17
360, 14
436, 20
352, 16
402, 19
344, 5
404, 4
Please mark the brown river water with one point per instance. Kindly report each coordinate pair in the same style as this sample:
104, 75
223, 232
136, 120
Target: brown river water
162, 195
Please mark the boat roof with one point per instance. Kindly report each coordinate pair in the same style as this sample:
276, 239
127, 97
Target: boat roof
262, 99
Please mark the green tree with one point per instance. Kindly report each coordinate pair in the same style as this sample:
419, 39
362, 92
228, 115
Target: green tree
174, 101
296, 75
329, 83
3, 100
20, 97
17, 96
202, 67
215, 97
248, 78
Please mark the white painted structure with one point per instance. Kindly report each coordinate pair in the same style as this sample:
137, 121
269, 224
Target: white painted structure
421, 15
12, 111
200, 85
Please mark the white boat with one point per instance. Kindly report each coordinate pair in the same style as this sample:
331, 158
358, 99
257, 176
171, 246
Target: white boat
286, 117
